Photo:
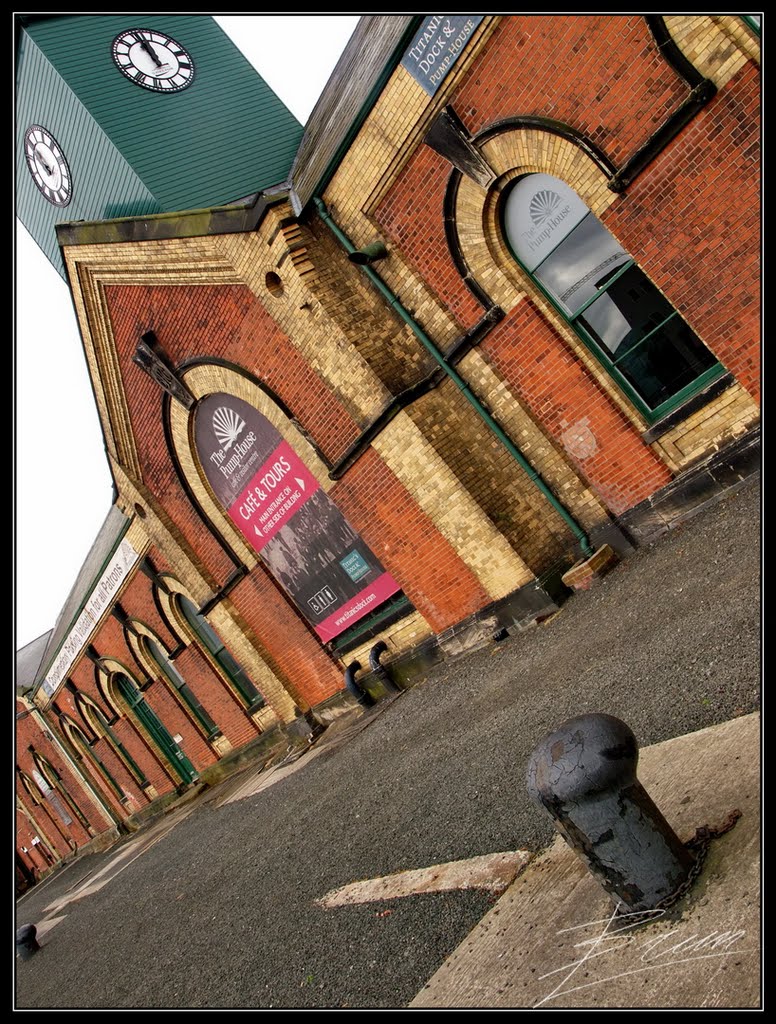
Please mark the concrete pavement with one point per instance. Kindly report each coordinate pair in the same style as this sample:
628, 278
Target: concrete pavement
224, 911
551, 941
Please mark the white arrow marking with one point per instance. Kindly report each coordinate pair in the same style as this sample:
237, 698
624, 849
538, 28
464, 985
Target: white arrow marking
300, 482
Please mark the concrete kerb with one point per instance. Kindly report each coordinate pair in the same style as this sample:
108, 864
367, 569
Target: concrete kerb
550, 942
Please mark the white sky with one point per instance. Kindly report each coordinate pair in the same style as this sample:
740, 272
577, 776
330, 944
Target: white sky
60, 508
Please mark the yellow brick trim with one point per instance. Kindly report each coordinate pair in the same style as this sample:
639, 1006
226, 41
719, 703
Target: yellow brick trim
106, 670
149, 666
717, 45
158, 262
724, 419
103, 364
155, 672
391, 134
456, 515
90, 269
394, 129
298, 312
540, 452
511, 154
401, 636
158, 529
239, 641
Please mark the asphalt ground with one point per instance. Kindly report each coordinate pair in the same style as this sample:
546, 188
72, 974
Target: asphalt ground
221, 912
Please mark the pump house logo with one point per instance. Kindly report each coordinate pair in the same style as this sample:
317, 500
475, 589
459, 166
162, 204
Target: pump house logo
227, 425
543, 205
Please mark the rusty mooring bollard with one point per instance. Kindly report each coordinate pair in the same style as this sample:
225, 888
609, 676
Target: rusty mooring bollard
26, 943
584, 775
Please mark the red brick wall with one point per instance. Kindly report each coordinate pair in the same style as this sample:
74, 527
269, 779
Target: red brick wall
225, 322
411, 215
541, 369
621, 90
691, 220
123, 729
29, 734
205, 683
431, 574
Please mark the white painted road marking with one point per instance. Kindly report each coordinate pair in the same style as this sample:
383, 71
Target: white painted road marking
492, 871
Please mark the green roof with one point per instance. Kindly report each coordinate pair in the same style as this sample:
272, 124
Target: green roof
133, 151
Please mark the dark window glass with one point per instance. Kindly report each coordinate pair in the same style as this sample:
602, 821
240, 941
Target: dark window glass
213, 643
611, 302
177, 680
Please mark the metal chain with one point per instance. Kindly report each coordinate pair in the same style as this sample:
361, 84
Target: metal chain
698, 846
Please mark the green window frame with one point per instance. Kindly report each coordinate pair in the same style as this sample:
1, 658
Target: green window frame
83, 703
177, 681
623, 319
213, 643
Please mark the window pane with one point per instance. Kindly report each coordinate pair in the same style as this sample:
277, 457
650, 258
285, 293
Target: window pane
630, 308
235, 671
669, 360
582, 264
200, 625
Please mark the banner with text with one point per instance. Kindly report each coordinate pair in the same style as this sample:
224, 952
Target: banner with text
282, 511
121, 562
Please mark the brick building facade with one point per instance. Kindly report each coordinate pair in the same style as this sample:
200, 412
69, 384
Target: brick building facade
502, 316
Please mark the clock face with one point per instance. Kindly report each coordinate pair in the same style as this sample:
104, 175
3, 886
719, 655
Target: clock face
47, 165
153, 59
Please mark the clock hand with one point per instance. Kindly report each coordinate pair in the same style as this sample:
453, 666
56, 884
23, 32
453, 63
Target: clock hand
151, 52
46, 168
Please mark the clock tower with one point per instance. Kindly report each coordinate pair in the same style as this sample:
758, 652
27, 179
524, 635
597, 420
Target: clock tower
132, 114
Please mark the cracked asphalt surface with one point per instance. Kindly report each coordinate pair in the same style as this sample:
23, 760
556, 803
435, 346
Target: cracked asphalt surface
220, 912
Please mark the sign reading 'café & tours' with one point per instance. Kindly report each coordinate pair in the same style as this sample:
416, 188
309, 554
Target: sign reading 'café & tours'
282, 511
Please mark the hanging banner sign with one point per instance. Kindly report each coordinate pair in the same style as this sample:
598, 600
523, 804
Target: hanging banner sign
115, 573
436, 46
280, 508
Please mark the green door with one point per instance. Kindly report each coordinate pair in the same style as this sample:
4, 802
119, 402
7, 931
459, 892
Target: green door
151, 722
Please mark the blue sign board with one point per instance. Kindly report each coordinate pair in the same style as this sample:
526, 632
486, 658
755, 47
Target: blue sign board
436, 46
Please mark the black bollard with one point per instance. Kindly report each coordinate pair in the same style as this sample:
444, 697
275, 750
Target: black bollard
365, 699
26, 943
380, 670
584, 775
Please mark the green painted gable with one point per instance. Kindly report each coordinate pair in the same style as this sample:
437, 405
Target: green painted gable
42, 98
132, 151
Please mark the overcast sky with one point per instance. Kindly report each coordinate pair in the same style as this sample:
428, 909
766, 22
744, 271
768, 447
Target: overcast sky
63, 489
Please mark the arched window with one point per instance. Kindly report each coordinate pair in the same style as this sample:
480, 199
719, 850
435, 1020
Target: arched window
82, 745
95, 719
154, 728
176, 680
212, 642
620, 315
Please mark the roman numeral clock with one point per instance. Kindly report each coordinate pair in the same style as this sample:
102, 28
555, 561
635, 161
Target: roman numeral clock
104, 102
153, 60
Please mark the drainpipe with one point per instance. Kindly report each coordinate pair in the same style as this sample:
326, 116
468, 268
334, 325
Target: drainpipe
480, 409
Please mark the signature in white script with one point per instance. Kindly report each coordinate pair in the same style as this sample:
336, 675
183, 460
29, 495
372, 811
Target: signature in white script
648, 952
